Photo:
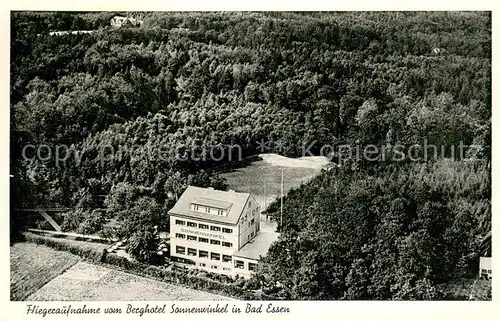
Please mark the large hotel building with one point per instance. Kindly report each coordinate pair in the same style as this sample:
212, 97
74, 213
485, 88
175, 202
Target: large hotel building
218, 231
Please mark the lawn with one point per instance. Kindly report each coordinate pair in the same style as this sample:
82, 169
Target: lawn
252, 178
89, 282
32, 266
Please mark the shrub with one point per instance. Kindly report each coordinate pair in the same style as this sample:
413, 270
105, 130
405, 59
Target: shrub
92, 223
191, 280
143, 245
75, 247
73, 219
160, 273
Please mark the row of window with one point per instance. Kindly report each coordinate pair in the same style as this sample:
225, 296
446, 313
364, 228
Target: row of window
204, 226
252, 214
203, 240
241, 265
215, 267
208, 210
203, 254
214, 256
485, 271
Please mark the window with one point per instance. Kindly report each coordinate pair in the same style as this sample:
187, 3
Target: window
239, 264
180, 250
203, 240
192, 252
191, 224
202, 264
489, 271
252, 221
227, 244
226, 258
180, 236
215, 267
192, 238
215, 256
226, 268
196, 207
484, 271
227, 230
215, 228
251, 234
204, 254
216, 242
251, 266
179, 222
220, 212
203, 226
207, 209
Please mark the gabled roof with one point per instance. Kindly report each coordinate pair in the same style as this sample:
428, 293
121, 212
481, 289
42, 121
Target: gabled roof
213, 203
232, 201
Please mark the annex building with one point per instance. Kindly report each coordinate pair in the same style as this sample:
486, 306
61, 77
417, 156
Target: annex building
218, 231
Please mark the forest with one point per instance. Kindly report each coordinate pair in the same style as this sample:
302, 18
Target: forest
192, 82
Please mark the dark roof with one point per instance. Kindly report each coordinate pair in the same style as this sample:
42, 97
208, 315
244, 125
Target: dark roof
232, 201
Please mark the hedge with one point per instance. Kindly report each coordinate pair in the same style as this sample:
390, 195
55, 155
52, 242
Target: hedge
150, 271
182, 278
75, 247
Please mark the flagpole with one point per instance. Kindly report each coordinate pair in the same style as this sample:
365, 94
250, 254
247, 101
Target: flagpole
281, 210
265, 199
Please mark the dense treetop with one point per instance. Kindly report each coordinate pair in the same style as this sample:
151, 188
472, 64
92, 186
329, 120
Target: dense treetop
189, 83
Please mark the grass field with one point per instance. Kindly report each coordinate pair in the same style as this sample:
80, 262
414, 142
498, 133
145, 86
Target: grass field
252, 178
89, 282
32, 266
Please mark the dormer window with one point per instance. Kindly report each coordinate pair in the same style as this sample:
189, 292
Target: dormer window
211, 206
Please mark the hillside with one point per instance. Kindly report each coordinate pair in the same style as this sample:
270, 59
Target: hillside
262, 178
123, 119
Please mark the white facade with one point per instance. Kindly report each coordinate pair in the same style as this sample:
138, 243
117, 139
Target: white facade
485, 267
200, 237
118, 21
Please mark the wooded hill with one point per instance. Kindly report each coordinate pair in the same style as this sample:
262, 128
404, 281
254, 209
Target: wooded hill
192, 82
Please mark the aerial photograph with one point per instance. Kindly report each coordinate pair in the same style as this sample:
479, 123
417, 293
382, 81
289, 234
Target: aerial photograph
250, 156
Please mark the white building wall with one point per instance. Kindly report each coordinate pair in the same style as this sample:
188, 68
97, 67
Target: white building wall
245, 271
485, 266
249, 230
240, 235
203, 263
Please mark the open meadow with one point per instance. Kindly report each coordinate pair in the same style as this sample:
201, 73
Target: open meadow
32, 266
262, 178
